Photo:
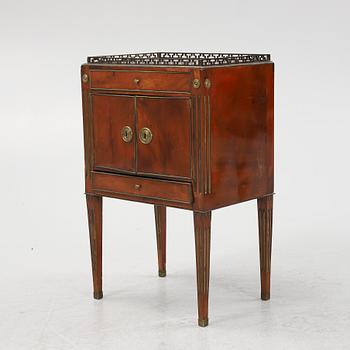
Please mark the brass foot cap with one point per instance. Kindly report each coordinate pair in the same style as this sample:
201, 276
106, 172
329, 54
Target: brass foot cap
203, 323
162, 273
98, 295
265, 296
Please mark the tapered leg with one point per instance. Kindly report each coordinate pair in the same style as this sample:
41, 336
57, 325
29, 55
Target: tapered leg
94, 206
160, 216
202, 221
265, 209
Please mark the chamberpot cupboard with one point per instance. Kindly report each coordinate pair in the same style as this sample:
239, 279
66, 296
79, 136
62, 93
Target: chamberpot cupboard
185, 130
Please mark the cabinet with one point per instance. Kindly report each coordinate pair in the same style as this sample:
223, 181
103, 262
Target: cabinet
193, 131
137, 135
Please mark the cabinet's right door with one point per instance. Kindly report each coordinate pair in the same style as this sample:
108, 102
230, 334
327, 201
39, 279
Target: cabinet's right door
164, 136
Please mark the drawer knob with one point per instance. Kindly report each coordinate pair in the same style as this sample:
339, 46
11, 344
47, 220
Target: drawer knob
136, 81
126, 133
145, 136
137, 186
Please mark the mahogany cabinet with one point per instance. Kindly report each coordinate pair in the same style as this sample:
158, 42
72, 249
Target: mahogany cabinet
185, 130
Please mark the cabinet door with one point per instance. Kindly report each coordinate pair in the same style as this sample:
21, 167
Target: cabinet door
167, 121
114, 147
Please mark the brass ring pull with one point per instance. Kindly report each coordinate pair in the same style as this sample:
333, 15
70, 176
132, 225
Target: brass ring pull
196, 83
126, 133
145, 136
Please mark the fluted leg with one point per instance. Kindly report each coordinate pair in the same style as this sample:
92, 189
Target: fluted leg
265, 209
202, 221
160, 216
94, 206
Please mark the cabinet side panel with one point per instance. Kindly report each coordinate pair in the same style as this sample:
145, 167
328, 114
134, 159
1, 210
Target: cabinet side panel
241, 133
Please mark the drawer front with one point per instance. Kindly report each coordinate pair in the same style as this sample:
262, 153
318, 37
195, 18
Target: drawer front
171, 191
140, 80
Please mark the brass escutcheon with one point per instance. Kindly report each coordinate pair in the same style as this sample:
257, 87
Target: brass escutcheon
126, 133
85, 78
145, 136
196, 83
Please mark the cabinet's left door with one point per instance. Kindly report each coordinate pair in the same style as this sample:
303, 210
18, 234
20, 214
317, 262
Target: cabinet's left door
113, 132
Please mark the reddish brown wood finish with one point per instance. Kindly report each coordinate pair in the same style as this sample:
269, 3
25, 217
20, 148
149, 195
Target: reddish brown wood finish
265, 208
120, 79
239, 104
160, 217
94, 207
169, 152
232, 135
110, 114
212, 146
202, 223
167, 155
171, 191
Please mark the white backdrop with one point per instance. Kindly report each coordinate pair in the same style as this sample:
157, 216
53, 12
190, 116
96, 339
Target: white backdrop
45, 292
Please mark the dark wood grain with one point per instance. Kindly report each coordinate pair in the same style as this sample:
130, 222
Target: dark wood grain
160, 218
94, 207
265, 211
202, 223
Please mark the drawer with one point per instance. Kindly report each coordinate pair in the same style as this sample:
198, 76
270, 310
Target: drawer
140, 80
171, 191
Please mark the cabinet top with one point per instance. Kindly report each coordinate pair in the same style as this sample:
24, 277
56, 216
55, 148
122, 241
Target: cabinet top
180, 59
